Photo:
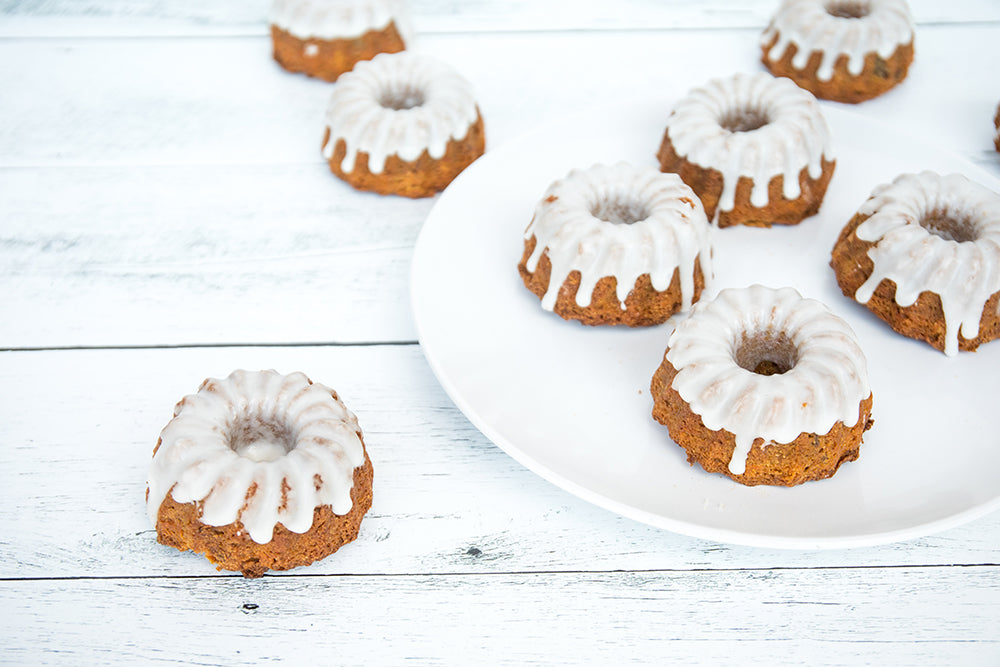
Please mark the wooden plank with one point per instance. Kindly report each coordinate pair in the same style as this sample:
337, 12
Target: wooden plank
160, 102
218, 101
224, 101
818, 616
77, 430
168, 255
169, 191
187, 17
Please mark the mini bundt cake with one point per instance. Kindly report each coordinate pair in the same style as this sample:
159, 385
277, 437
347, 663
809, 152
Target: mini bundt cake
843, 50
617, 245
755, 149
325, 38
260, 471
765, 387
402, 124
996, 129
923, 253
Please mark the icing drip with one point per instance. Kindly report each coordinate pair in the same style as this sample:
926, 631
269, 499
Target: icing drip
652, 223
293, 442
825, 376
372, 109
794, 137
339, 19
811, 27
963, 273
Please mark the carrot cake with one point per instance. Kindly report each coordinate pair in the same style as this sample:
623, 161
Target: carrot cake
325, 38
923, 254
755, 149
765, 387
260, 471
403, 124
617, 245
842, 50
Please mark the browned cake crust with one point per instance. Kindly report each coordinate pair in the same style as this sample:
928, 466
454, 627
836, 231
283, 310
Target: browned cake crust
924, 320
422, 177
809, 457
332, 57
878, 75
707, 183
996, 124
644, 306
230, 547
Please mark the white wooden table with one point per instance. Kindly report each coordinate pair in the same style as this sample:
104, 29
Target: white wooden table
165, 216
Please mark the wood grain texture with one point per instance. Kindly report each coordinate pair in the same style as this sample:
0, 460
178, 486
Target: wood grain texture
224, 101
838, 616
161, 184
214, 254
77, 430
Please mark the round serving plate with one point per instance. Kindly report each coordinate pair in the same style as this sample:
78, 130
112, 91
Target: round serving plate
572, 403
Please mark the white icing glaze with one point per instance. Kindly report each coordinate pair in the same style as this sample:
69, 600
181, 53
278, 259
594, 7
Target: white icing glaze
356, 115
796, 136
826, 385
196, 462
810, 27
339, 19
964, 274
674, 233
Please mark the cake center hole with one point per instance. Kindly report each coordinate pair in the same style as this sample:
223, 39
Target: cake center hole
619, 210
766, 353
847, 9
401, 99
744, 120
958, 228
260, 439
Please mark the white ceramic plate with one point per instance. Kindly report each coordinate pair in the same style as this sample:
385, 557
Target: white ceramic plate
572, 403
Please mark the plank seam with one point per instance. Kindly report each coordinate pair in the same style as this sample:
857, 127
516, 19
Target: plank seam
510, 573
259, 33
188, 346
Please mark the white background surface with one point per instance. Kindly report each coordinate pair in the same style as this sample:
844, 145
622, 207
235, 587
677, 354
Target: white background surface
165, 216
